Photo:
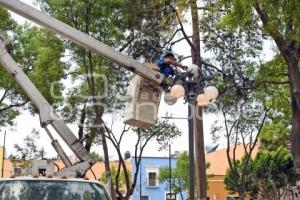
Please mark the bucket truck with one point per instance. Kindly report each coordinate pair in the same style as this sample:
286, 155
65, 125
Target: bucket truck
150, 76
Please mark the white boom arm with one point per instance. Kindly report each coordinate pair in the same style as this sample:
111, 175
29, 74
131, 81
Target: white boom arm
41, 103
82, 39
47, 117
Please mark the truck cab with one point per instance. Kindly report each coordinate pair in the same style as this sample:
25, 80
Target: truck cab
42, 188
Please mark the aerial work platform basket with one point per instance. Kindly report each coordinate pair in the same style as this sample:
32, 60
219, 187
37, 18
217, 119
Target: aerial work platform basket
142, 101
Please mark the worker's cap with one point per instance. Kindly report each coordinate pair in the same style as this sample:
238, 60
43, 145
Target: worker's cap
169, 54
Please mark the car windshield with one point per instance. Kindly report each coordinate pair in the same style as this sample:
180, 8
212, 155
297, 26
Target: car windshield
51, 190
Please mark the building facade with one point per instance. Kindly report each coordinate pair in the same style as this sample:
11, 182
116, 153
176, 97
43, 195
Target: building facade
148, 186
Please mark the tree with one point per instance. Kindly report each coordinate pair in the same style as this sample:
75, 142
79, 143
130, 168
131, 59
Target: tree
7, 111
27, 152
162, 132
96, 157
244, 128
32, 49
274, 181
121, 180
263, 182
233, 178
180, 174
276, 21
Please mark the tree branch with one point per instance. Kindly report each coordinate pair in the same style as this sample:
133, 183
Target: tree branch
214, 67
179, 40
186, 57
13, 105
277, 36
182, 29
121, 160
128, 43
172, 37
4, 95
228, 133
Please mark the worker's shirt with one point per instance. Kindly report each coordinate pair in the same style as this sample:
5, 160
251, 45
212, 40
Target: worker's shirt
165, 69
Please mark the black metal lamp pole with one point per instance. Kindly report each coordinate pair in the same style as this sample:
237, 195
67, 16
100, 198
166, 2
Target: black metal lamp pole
192, 89
191, 149
193, 83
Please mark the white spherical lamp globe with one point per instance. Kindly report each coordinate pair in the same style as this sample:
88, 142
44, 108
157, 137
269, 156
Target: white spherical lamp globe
211, 92
169, 99
177, 91
202, 100
193, 69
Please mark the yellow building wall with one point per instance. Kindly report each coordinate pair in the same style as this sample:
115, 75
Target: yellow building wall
216, 188
1, 159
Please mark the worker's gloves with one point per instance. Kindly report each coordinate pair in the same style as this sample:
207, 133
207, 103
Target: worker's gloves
9, 48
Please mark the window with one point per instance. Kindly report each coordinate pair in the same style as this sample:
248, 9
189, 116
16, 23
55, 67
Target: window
144, 197
152, 176
151, 179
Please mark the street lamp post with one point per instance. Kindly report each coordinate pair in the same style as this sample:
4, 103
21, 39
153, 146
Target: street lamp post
195, 88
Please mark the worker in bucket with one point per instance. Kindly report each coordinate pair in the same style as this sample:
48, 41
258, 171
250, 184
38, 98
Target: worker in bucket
166, 62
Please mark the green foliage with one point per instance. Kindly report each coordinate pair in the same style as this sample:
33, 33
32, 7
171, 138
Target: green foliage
163, 132
242, 177
281, 15
151, 25
122, 180
180, 174
274, 135
6, 115
279, 174
38, 53
268, 173
27, 151
6, 23
96, 157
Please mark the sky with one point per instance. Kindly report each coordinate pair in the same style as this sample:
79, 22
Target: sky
26, 122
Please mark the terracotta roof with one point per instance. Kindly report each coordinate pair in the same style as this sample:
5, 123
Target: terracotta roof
218, 159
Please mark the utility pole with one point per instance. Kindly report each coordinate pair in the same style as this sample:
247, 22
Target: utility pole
198, 123
3, 154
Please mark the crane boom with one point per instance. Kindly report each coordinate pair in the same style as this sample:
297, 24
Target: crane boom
82, 39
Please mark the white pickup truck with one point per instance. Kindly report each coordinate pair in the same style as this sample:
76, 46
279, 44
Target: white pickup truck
42, 188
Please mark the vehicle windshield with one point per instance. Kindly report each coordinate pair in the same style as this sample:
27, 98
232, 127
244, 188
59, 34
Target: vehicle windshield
51, 190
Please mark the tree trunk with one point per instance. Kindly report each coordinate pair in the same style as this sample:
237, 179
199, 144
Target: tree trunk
294, 77
241, 194
295, 135
198, 123
291, 55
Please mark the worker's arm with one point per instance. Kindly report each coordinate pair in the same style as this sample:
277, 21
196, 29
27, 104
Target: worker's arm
174, 63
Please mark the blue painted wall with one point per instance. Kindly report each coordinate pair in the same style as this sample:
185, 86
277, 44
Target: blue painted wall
155, 193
